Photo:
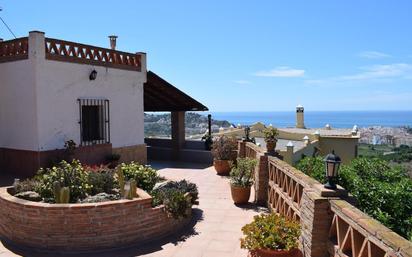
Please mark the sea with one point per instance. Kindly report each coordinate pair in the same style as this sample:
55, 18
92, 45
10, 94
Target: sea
318, 119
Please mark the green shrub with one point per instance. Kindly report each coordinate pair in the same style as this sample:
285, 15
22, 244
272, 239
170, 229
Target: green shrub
71, 175
173, 195
26, 185
314, 167
382, 191
270, 134
182, 186
145, 176
242, 173
176, 203
270, 231
101, 182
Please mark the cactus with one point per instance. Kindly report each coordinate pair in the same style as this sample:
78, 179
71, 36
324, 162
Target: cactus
133, 188
120, 180
57, 191
64, 195
127, 192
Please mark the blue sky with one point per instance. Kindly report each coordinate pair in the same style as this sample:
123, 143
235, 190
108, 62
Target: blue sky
249, 55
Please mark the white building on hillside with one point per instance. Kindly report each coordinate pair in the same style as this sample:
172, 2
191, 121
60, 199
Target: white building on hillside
52, 91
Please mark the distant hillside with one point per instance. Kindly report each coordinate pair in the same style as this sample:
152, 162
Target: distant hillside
196, 124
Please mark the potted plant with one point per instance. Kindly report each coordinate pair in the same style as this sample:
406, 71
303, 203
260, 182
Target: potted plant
271, 235
241, 179
223, 149
208, 141
271, 138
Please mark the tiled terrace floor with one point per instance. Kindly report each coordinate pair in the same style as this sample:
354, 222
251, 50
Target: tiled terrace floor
216, 225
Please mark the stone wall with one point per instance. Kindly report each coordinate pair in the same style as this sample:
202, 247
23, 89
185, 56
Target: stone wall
83, 227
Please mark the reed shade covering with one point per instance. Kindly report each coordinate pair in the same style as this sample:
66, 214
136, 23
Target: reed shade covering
161, 96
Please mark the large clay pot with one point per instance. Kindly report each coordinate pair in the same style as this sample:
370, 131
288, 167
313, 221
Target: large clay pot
240, 195
222, 167
271, 145
275, 253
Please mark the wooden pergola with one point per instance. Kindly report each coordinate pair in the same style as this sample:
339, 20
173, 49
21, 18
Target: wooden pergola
161, 96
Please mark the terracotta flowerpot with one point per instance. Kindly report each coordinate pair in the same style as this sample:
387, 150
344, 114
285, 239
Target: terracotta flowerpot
222, 167
240, 195
271, 145
274, 253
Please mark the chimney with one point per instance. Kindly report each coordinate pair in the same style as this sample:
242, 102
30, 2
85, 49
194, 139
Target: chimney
299, 117
112, 39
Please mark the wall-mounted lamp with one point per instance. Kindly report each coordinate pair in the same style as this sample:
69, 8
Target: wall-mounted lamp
93, 75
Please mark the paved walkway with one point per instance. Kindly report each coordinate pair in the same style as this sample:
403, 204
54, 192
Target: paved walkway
216, 224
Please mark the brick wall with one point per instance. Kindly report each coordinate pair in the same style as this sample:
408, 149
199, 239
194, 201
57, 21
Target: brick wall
80, 227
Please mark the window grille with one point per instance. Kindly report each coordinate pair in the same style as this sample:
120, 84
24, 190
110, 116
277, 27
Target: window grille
94, 121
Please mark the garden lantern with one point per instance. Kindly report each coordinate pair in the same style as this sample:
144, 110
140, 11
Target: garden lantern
332, 163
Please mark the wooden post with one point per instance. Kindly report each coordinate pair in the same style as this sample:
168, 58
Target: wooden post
178, 133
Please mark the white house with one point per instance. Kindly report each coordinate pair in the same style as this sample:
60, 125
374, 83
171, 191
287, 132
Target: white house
52, 91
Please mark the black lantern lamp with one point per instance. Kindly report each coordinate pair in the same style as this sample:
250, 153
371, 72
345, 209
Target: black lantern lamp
332, 163
93, 75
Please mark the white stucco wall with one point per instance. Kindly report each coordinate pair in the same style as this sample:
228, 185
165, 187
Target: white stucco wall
60, 84
38, 101
18, 129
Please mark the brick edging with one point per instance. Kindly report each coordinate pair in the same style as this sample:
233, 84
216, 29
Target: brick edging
83, 227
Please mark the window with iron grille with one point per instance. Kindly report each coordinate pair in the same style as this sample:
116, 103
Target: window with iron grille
94, 121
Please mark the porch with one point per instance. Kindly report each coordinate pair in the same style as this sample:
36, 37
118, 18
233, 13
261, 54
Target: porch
161, 96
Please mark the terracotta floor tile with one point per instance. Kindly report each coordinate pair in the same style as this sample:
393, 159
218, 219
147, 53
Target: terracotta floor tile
216, 233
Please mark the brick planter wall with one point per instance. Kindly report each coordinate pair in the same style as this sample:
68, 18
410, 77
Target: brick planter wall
83, 227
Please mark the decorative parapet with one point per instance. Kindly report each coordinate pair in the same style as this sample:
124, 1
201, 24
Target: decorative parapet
353, 233
66, 51
60, 50
13, 50
252, 150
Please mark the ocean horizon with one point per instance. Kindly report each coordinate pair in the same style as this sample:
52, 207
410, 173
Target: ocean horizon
318, 119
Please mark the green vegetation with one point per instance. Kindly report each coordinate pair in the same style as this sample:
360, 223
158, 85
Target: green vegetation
64, 175
270, 231
177, 197
145, 176
400, 154
70, 182
382, 190
241, 174
368, 150
270, 133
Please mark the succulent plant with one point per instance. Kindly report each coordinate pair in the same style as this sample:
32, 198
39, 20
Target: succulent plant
64, 195
61, 194
133, 188
56, 191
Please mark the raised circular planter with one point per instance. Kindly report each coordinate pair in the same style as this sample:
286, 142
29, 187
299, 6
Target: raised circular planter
83, 227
